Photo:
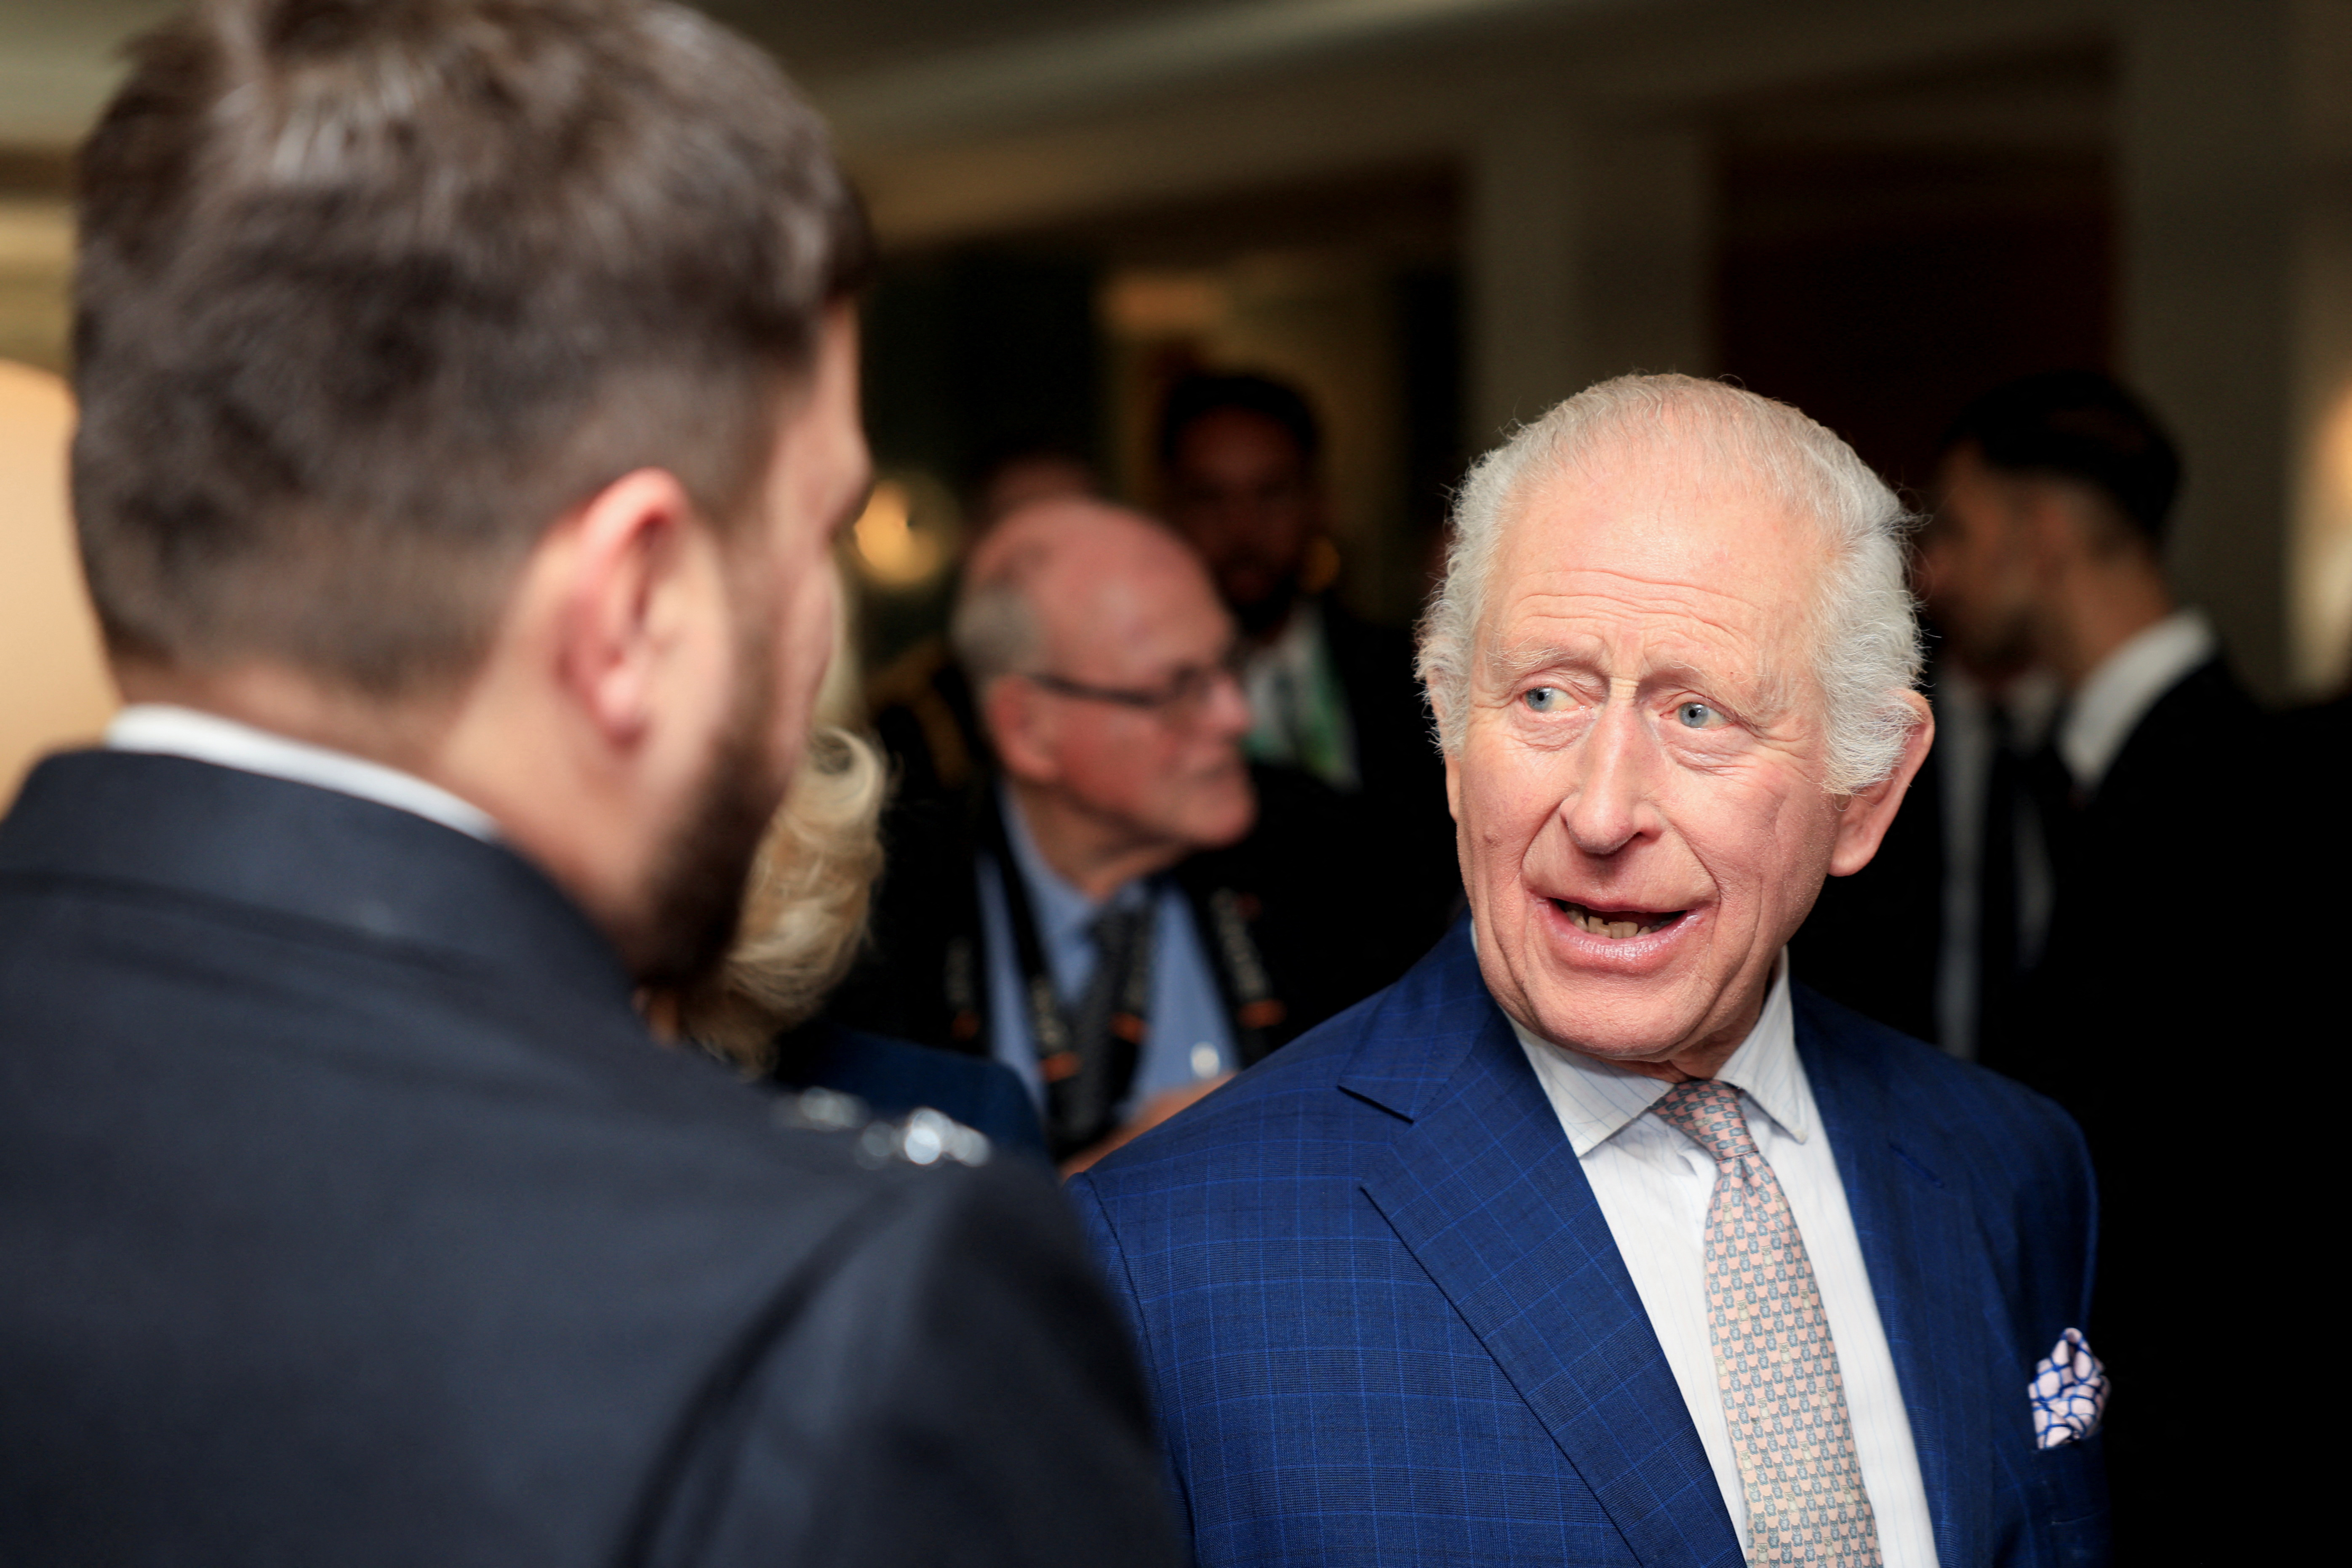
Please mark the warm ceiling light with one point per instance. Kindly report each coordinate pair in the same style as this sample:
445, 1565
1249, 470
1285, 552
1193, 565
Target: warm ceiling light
892, 550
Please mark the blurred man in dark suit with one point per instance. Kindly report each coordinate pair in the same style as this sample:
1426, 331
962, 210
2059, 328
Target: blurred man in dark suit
1329, 693
1125, 912
469, 400
2056, 491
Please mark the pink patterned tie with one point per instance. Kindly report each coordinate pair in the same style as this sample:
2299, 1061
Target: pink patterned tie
1774, 1363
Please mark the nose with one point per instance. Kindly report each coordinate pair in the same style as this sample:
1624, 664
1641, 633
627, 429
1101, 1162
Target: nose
1226, 707
1610, 803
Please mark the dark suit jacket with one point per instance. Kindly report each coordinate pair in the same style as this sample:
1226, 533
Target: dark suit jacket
1396, 763
348, 1216
2136, 1008
1384, 1321
895, 1076
1874, 940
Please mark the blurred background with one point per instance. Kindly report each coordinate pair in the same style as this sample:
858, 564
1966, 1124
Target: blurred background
1438, 216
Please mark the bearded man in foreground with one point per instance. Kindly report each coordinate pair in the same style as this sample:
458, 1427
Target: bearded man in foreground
468, 395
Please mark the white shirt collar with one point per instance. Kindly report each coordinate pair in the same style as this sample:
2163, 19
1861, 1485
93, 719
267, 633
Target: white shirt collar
2110, 704
1596, 1098
1299, 645
169, 731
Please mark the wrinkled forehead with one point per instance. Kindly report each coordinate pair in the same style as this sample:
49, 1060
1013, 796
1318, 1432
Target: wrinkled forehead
1660, 546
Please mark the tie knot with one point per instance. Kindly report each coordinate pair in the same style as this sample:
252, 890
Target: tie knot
1710, 1111
1113, 929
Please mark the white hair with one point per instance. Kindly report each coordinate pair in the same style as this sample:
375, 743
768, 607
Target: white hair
1864, 633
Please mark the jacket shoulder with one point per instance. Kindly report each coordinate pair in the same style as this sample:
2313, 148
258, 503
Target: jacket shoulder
1256, 1126
2007, 1135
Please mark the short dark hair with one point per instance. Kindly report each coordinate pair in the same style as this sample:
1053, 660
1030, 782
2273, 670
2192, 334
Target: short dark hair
2078, 425
1197, 396
372, 291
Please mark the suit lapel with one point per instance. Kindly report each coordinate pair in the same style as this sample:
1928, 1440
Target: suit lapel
1919, 1246
1485, 1192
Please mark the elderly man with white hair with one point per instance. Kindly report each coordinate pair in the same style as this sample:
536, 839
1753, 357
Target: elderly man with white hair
1597, 1238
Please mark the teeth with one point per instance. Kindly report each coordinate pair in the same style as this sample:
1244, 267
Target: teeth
1616, 930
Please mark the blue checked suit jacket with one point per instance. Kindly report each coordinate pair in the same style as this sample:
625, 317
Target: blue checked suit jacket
1384, 1322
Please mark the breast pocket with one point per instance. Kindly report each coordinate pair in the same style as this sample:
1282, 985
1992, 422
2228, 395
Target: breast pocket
2074, 1487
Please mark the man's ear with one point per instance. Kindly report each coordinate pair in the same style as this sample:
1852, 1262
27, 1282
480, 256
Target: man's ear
1866, 816
1020, 729
625, 595
1451, 757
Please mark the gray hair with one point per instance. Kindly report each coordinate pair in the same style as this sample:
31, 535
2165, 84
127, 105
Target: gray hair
994, 629
1864, 631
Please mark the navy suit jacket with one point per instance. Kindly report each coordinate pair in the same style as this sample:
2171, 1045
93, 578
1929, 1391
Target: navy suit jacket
1384, 1321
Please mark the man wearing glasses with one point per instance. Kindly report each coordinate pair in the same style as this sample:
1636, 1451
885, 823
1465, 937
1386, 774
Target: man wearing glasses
1126, 913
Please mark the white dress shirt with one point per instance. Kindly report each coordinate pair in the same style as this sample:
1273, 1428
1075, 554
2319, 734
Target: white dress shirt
1298, 710
175, 731
2108, 706
1653, 1183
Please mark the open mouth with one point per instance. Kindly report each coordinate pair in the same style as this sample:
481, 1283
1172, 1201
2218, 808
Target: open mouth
1617, 925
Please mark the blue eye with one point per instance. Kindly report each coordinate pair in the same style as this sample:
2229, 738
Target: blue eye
1696, 715
1543, 699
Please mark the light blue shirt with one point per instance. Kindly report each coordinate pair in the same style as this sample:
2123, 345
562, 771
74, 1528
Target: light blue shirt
1187, 1036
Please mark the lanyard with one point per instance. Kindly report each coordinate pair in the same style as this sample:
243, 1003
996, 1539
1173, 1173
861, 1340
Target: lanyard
1087, 1052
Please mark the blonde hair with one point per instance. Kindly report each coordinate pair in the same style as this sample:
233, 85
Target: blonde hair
804, 910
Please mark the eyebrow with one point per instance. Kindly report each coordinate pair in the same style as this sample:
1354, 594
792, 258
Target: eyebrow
1766, 689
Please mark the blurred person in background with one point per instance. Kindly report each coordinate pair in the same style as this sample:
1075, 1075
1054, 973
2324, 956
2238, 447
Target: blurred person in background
921, 705
468, 402
2056, 493
1240, 459
1123, 912
2047, 550
1939, 935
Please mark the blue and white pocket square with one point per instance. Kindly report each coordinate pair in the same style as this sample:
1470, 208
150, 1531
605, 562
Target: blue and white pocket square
2069, 1392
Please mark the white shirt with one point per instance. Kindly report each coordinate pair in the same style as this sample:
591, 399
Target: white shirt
177, 731
2109, 705
1293, 690
1653, 1183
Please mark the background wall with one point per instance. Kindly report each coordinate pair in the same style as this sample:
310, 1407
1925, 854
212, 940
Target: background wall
55, 690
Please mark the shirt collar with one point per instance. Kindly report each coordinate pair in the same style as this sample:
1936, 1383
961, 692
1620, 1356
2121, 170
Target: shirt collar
168, 730
1063, 913
1596, 1100
2109, 705
1301, 641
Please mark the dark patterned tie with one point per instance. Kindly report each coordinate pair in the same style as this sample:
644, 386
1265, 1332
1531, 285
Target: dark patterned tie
1774, 1363
1105, 1030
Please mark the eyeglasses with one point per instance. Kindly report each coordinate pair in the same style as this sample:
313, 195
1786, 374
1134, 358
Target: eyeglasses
1179, 701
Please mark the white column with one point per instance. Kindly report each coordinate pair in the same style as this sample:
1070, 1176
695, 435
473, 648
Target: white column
1530, 335
1590, 253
